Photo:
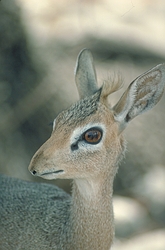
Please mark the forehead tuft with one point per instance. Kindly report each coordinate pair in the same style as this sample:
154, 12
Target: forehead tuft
79, 111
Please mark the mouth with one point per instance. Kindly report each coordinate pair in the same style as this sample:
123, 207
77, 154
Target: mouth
54, 172
51, 175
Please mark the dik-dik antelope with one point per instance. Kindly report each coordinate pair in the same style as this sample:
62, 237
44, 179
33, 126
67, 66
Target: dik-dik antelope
86, 145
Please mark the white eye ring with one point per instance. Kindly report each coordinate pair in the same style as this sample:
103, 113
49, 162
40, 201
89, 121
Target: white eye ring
54, 124
78, 132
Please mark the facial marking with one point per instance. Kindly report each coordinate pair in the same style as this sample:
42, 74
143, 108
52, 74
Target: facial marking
94, 140
54, 124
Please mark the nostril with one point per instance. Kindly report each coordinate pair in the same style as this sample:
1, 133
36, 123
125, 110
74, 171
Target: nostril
34, 172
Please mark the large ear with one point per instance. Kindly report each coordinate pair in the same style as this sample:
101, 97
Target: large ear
85, 74
142, 94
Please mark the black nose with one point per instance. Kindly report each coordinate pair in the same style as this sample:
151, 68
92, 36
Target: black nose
34, 172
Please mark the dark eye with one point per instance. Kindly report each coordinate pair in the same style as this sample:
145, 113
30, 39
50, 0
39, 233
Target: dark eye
92, 136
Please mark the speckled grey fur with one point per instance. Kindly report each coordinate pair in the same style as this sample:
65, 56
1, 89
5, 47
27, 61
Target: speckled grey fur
32, 212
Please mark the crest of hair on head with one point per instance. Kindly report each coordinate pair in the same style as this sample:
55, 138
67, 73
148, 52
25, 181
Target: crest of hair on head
110, 86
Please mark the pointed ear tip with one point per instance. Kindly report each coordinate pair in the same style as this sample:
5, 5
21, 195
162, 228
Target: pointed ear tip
161, 67
84, 51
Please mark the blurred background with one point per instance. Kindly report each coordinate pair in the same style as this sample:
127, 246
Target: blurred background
39, 44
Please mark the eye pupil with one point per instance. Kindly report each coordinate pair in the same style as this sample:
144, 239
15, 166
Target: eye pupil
92, 136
